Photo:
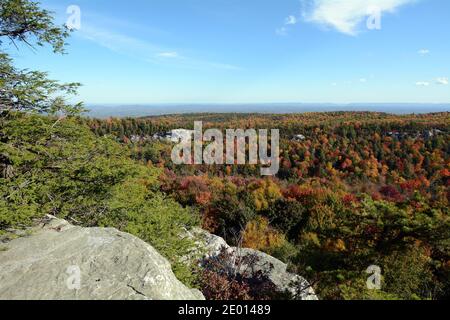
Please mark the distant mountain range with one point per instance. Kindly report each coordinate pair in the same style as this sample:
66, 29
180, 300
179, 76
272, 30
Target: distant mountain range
105, 111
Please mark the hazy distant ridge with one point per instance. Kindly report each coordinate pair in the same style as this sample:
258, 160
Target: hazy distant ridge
104, 111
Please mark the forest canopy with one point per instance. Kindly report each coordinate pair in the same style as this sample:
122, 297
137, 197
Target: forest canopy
357, 189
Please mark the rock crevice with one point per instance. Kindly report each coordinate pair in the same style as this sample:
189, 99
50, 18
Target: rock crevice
284, 281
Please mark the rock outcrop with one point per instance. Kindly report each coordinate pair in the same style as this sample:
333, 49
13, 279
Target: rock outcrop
60, 261
275, 269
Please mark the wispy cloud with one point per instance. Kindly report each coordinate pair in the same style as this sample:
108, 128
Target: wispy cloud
145, 50
442, 81
346, 15
119, 43
171, 54
423, 52
281, 31
289, 21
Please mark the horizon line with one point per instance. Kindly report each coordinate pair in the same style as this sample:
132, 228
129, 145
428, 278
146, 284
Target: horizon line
261, 103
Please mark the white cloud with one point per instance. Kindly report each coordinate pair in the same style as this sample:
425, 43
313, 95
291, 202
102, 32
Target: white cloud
442, 81
363, 80
290, 20
346, 15
171, 54
422, 84
423, 52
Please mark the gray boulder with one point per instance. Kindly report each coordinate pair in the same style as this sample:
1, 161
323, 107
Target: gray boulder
59, 261
275, 269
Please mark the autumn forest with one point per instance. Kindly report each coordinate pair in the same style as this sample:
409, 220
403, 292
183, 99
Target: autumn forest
354, 189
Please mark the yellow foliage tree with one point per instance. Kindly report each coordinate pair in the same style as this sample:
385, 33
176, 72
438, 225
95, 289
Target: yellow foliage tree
265, 193
259, 235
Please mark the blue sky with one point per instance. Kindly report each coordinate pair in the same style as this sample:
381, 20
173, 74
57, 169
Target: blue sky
252, 51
